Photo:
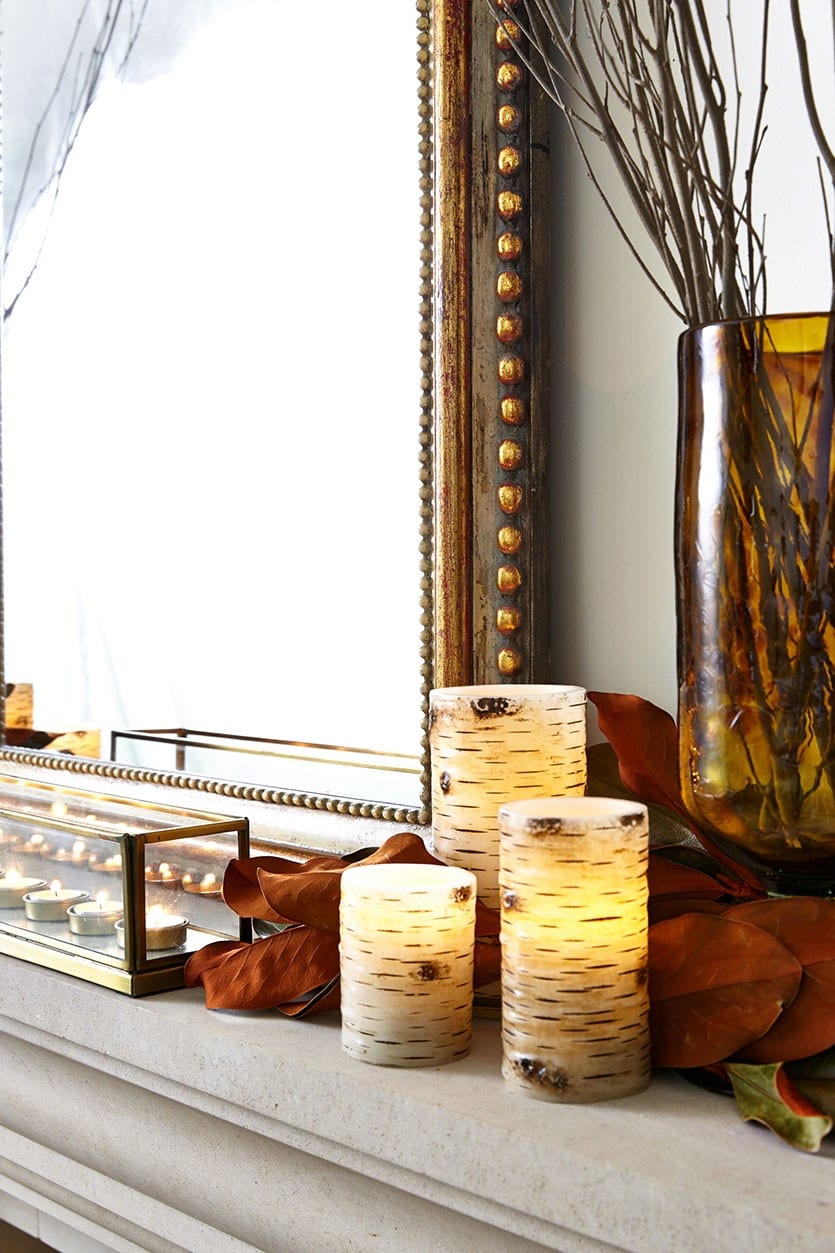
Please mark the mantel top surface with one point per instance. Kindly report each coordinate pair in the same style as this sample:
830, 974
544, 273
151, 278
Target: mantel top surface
673, 1167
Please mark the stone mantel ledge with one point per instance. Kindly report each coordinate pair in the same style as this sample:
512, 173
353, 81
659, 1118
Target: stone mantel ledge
156, 1124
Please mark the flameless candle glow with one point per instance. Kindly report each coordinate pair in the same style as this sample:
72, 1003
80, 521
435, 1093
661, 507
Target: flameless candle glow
162, 930
495, 744
52, 904
13, 888
406, 963
575, 1008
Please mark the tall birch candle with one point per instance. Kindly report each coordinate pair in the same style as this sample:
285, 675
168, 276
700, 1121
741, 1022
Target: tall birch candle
495, 744
575, 1008
406, 941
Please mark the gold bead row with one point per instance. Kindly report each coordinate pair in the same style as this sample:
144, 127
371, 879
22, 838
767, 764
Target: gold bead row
510, 330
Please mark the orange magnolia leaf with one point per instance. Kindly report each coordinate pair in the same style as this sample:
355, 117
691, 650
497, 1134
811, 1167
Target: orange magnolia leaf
268, 974
714, 986
242, 891
806, 926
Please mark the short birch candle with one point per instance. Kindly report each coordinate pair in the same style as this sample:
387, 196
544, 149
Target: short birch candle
406, 941
495, 744
575, 1008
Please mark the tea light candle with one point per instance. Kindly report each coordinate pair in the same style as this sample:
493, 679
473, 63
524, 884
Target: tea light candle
495, 744
209, 885
13, 888
406, 941
162, 930
98, 917
52, 905
575, 1008
35, 846
163, 875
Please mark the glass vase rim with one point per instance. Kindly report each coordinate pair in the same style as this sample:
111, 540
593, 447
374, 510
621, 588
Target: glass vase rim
753, 319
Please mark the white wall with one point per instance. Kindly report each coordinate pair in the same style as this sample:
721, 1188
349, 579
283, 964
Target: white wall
613, 377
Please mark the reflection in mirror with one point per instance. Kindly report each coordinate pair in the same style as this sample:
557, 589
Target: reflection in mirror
211, 391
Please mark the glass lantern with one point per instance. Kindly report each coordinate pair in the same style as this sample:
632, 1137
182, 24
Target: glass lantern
119, 892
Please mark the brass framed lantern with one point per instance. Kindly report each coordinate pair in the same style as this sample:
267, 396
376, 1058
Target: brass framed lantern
117, 892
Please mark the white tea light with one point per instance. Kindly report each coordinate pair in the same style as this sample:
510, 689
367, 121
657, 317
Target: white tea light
406, 941
97, 917
13, 888
494, 744
51, 904
575, 1007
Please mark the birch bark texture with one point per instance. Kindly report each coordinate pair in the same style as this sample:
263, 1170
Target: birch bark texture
493, 744
575, 1005
406, 942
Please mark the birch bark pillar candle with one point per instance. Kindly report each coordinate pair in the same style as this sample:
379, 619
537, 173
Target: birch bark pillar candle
406, 942
495, 744
575, 1007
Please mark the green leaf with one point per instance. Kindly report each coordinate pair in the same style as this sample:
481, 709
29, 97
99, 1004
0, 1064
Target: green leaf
765, 1094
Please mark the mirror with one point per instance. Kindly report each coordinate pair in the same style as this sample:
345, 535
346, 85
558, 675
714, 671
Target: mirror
382, 471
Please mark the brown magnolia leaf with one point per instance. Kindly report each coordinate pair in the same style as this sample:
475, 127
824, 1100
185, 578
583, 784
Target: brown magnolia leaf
806, 926
714, 986
487, 964
766, 1094
403, 847
676, 887
267, 974
242, 891
671, 878
674, 907
487, 921
645, 741
326, 998
311, 896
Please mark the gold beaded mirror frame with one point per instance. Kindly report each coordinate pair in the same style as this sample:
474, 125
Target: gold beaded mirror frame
483, 152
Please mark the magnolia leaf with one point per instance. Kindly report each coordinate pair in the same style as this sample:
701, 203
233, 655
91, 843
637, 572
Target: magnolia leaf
309, 897
686, 881
487, 964
267, 974
806, 926
326, 998
675, 906
670, 877
242, 890
308, 892
766, 1094
666, 829
714, 986
645, 741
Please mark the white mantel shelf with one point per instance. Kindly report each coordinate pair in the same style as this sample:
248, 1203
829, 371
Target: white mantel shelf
155, 1124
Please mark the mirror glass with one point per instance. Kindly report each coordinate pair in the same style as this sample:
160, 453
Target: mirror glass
211, 388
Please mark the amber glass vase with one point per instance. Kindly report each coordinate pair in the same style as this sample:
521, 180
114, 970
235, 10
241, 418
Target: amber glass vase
756, 594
